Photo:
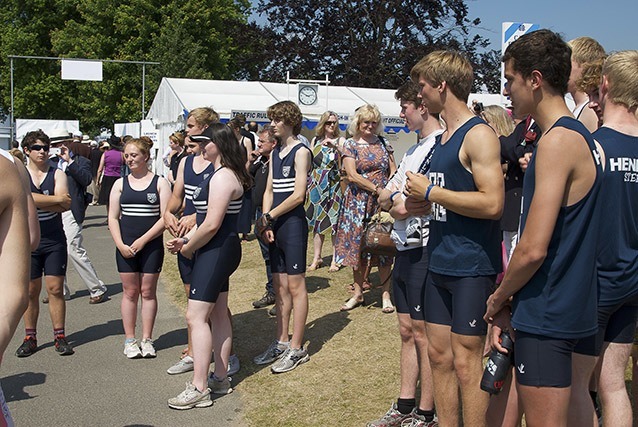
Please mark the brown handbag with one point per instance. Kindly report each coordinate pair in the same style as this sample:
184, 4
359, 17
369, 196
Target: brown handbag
376, 239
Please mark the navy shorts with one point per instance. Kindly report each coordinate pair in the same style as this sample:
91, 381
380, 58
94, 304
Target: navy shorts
185, 267
541, 361
616, 323
49, 258
408, 282
458, 302
148, 260
213, 264
288, 252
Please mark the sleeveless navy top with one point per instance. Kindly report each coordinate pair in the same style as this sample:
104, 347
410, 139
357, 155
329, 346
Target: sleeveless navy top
140, 210
283, 178
200, 200
618, 229
559, 301
458, 245
50, 222
191, 181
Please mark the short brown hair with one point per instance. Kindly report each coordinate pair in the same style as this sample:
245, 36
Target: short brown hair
288, 112
32, 137
447, 66
408, 91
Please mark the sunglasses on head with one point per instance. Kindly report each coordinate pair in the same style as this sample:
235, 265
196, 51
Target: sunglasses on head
38, 147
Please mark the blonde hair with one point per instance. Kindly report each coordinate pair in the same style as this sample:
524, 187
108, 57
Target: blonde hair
498, 118
586, 49
177, 138
590, 76
446, 66
621, 70
204, 116
365, 113
320, 130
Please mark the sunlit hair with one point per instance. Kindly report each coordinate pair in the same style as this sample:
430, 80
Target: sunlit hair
15, 152
543, 51
590, 76
447, 66
269, 135
320, 130
204, 116
408, 92
231, 154
586, 49
32, 137
237, 122
143, 144
498, 118
289, 113
621, 70
366, 113
177, 138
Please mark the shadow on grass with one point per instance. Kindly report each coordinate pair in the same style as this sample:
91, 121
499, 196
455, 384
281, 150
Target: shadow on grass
316, 283
13, 386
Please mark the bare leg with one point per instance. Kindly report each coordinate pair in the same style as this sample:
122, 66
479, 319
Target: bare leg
283, 301
223, 336
409, 359
33, 309
149, 303
443, 377
57, 305
299, 296
468, 365
198, 315
544, 406
421, 342
634, 382
384, 273
504, 410
334, 265
581, 409
317, 245
130, 295
189, 338
611, 385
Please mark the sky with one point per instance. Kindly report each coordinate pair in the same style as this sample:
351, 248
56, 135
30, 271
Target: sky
612, 23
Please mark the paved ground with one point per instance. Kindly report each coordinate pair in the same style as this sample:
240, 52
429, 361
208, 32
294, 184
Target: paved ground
98, 386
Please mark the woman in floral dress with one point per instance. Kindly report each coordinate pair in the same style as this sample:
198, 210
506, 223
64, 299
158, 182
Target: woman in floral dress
324, 193
368, 162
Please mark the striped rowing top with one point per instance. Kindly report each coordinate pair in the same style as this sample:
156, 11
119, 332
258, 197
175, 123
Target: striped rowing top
191, 181
200, 200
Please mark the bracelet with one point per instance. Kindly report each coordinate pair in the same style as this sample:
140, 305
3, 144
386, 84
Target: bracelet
427, 192
393, 195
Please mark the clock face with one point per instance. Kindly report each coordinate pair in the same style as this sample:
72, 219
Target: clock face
307, 95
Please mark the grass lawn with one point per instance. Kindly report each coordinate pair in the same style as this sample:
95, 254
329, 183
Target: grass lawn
353, 374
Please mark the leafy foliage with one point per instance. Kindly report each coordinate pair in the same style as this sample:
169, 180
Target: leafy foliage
367, 43
191, 38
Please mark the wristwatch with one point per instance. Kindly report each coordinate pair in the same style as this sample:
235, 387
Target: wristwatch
185, 240
268, 217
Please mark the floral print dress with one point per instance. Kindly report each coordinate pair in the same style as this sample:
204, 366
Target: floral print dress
357, 205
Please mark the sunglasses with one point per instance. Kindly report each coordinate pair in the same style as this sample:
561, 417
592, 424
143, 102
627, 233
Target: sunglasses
330, 123
38, 147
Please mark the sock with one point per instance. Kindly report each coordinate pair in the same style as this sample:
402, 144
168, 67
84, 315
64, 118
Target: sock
284, 343
30, 333
129, 340
405, 406
58, 332
428, 415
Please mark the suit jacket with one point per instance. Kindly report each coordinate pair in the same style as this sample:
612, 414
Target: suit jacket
79, 177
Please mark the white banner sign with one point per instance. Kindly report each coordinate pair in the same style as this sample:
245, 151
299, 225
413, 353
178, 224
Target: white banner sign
81, 70
511, 32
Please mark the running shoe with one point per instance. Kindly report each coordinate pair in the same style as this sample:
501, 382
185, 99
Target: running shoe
290, 360
272, 353
148, 350
185, 364
28, 347
191, 398
62, 346
392, 418
416, 420
266, 300
217, 386
131, 349
233, 365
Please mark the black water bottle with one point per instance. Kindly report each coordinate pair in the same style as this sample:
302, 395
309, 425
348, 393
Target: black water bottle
497, 366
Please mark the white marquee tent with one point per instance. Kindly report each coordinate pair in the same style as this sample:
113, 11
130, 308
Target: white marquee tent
176, 97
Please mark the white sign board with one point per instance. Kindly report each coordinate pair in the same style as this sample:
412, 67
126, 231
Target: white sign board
81, 70
511, 32
27, 125
251, 116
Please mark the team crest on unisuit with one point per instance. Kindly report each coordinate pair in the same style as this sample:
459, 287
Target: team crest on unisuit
196, 192
285, 171
151, 197
45, 192
206, 175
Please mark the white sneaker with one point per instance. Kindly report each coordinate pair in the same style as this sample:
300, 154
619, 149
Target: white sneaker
132, 350
148, 351
184, 364
233, 365
191, 398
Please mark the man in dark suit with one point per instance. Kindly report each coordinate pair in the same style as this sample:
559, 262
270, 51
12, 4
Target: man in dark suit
78, 170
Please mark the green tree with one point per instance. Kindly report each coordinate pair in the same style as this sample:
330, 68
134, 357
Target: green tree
365, 43
191, 38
